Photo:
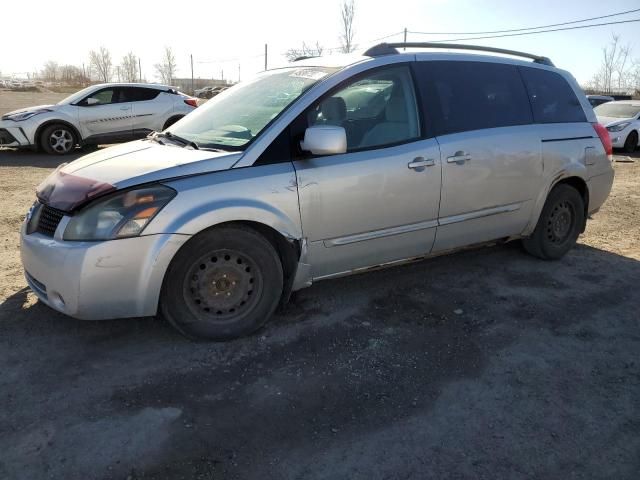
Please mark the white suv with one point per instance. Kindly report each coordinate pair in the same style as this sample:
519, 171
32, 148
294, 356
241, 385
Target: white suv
105, 113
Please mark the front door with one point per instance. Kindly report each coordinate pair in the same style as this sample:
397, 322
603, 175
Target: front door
104, 116
378, 202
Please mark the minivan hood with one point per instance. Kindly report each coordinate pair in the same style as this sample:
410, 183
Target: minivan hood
146, 161
610, 121
73, 185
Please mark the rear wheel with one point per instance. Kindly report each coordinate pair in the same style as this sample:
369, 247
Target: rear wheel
559, 225
631, 142
170, 122
58, 139
224, 283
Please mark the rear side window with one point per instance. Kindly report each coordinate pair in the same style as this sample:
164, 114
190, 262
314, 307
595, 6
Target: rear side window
463, 96
139, 94
552, 99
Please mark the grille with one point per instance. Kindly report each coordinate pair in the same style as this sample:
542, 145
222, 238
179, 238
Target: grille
6, 137
48, 220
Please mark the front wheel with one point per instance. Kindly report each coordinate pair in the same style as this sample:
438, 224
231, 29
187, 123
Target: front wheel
224, 283
58, 139
559, 225
631, 142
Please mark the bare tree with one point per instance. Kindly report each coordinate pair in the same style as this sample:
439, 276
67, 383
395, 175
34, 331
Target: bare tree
616, 69
621, 65
347, 13
100, 63
306, 51
50, 71
71, 75
166, 69
129, 68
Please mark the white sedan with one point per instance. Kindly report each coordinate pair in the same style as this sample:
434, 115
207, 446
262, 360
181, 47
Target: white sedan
105, 113
622, 119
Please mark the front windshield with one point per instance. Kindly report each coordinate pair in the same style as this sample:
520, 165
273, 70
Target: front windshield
74, 97
234, 117
617, 110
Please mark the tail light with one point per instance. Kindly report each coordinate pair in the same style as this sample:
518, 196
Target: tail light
191, 101
604, 138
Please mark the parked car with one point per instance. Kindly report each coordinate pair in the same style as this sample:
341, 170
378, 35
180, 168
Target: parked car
209, 92
328, 167
105, 113
622, 119
596, 100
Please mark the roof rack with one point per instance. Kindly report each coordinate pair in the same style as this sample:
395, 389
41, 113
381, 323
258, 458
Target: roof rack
391, 48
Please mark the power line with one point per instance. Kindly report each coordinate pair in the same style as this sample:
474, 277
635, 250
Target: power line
535, 33
528, 28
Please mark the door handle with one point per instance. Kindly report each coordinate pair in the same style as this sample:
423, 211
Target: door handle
459, 158
420, 162
125, 108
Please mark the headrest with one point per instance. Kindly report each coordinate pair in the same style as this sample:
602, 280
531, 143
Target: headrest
334, 109
396, 110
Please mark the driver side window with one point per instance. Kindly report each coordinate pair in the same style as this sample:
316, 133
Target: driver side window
376, 110
104, 97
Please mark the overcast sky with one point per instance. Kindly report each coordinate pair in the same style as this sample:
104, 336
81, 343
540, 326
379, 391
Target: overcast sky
224, 34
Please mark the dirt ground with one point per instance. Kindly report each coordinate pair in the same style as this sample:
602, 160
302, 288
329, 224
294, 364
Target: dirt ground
482, 364
10, 101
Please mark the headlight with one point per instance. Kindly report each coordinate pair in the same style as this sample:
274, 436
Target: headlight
121, 215
19, 117
618, 127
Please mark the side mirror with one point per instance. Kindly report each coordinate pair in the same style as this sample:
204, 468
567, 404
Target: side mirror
324, 140
91, 101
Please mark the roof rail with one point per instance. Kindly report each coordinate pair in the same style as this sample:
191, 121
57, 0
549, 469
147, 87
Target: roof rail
391, 48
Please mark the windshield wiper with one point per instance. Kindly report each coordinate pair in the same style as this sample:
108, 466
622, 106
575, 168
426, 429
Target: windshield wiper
177, 139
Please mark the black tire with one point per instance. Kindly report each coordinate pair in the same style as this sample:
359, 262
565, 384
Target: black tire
224, 283
170, 122
631, 142
58, 139
559, 225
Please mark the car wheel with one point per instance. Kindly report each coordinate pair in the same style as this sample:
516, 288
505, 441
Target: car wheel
631, 142
224, 283
559, 225
170, 122
58, 139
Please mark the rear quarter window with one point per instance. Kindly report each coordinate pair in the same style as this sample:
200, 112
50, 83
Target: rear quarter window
461, 96
552, 98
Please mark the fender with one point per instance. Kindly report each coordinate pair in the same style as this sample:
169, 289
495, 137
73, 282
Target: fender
573, 170
267, 195
210, 214
51, 121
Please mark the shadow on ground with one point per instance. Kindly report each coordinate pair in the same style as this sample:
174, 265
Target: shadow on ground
484, 364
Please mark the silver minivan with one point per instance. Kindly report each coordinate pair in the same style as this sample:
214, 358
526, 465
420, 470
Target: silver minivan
320, 169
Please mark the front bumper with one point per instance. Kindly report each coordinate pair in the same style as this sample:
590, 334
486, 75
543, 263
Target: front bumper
618, 138
99, 280
12, 134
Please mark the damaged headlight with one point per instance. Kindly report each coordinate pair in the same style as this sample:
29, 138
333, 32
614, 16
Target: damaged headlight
120, 215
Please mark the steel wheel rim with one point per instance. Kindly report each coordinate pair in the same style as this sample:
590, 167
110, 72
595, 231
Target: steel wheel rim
560, 223
222, 285
61, 140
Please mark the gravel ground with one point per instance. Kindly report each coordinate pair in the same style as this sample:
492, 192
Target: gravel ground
482, 364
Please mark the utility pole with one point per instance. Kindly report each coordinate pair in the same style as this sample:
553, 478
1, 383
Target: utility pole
222, 74
265, 56
139, 70
118, 70
192, 90
238, 73
84, 75
405, 36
